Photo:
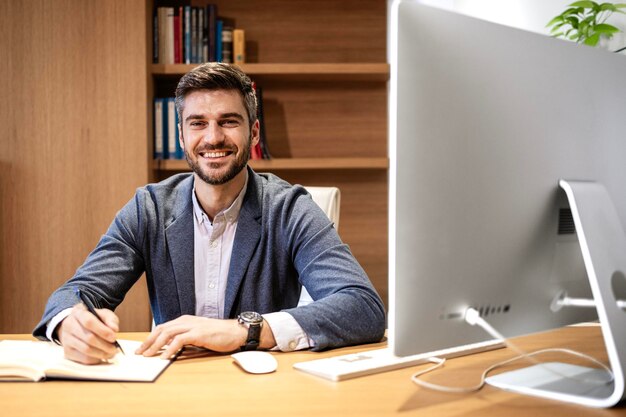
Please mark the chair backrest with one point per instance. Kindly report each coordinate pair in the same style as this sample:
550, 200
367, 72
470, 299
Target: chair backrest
329, 200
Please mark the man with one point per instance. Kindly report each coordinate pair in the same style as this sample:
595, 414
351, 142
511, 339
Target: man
225, 250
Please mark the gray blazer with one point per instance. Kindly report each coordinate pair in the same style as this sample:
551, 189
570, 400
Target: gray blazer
283, 240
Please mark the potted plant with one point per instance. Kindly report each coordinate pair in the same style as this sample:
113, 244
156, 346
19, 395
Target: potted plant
585, 22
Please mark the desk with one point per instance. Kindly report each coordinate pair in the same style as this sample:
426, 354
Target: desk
214, 385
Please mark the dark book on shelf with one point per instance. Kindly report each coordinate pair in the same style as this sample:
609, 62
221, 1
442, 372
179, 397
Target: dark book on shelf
227, 44
210, 31
264, 148
155, 37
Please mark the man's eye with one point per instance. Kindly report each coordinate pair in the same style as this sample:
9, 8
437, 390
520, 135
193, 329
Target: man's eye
196, 124
230, 122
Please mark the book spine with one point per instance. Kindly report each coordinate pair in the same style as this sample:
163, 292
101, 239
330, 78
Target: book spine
202, 41
161, 34
158, 128
194, 35
211, 31
181, 34
219, 26
265, 150
187, 28
171, 128
165, 129
155, 37
169, 33
227, 45
239, 46
179, 151
177, 45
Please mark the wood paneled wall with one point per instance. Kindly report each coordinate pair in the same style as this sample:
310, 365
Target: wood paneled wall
73, 128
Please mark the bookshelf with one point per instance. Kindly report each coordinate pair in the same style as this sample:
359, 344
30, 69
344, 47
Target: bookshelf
322, 66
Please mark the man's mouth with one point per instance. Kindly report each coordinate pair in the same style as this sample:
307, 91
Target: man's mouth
214, 154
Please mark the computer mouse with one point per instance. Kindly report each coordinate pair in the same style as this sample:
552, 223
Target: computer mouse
255, 361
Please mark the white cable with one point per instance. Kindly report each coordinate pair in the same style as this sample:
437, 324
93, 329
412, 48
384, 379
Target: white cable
473, 318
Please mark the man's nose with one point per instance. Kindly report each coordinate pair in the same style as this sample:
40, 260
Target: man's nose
213, 135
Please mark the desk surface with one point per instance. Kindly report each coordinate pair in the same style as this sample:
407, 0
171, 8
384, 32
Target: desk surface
213, 385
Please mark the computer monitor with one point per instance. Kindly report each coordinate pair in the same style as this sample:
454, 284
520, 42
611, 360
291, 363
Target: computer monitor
485, 120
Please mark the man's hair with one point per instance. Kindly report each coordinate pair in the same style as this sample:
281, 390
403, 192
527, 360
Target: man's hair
217, 76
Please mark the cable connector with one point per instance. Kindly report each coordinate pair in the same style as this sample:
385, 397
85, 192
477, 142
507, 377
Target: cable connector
472, 316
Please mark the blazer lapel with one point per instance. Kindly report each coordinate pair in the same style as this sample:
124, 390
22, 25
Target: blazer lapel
179, 235
246, 240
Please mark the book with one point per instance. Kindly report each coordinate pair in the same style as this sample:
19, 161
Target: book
177, 45
187, 34
201, 37
26, 360
227, 44
265, 150
219, 26
174, 150
155, 37
239, 46
194, 35
159, 128
211, 28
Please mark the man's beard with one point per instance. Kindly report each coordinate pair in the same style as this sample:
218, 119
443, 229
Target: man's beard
240, 163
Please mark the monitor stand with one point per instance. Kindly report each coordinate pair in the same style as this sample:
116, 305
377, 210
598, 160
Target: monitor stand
603, 246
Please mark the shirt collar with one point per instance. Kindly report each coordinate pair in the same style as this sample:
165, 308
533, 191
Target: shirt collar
231, 213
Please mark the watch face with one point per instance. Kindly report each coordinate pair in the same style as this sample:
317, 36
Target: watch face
251, 317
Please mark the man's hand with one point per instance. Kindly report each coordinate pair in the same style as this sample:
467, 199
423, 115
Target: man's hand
86, 339
214, 334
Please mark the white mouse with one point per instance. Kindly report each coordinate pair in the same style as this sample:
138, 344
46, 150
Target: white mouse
255, 361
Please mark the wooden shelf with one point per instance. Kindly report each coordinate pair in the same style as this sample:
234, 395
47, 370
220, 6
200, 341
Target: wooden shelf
337, 71
291, 164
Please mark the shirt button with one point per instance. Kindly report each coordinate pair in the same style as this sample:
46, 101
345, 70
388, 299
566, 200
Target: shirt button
212, 285
214, 244
292, 345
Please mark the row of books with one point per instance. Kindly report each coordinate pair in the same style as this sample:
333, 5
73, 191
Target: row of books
190, 35
166, 143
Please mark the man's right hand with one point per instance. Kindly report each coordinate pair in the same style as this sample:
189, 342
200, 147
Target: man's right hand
85, 339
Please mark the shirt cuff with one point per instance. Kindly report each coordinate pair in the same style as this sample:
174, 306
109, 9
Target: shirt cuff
52, 324
287, 332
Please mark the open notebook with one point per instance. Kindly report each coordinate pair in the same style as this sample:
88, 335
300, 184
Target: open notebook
25, 360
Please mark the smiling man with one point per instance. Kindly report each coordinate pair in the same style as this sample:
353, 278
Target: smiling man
225, 250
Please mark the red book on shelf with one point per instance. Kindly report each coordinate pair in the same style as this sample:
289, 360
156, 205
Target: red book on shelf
176, 39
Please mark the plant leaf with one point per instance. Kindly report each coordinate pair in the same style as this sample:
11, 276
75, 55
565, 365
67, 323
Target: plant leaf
573, 21
604, 28
557, 19
583, 4
556, 28
607, 6
569, 11
592, 40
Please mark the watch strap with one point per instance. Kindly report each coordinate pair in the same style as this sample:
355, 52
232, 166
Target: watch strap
254, 337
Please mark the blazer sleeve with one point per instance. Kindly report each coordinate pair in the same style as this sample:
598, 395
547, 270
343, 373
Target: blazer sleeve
347, 309
110, 269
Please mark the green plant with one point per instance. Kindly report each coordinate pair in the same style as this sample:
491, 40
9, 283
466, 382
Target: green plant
584, 22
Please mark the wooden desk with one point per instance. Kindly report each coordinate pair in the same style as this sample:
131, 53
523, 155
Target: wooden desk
214, 385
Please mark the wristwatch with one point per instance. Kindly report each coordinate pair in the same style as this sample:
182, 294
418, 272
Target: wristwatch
253, 321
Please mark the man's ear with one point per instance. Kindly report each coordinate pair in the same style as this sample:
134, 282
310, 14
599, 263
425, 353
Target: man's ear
181, 139
255, 132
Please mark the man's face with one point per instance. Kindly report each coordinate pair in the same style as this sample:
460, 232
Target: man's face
215, 134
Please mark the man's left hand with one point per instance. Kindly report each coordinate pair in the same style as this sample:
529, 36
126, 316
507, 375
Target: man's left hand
214, 334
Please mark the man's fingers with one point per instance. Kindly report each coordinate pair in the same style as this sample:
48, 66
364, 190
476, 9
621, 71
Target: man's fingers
92, 324
85, 339
109, 318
